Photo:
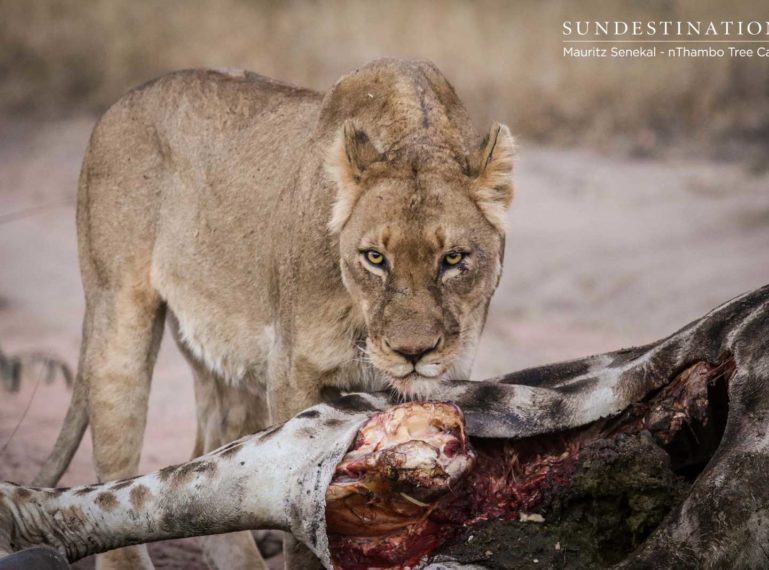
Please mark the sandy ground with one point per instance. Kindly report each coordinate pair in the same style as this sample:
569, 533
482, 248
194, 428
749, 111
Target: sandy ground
602, 253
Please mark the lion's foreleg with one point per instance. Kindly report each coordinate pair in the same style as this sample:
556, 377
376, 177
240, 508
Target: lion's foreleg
226, 411
293, 385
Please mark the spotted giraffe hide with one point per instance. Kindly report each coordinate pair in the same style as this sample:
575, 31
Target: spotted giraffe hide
280, 478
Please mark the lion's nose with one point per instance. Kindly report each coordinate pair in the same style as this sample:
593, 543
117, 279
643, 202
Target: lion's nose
413, 351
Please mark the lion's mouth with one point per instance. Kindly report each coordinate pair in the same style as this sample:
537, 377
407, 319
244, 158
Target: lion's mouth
414, 380
414, 385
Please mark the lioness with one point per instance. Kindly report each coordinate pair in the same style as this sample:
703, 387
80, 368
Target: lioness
298, 243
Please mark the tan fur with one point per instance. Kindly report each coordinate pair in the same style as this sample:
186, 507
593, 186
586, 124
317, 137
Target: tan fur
239, 206
492, 189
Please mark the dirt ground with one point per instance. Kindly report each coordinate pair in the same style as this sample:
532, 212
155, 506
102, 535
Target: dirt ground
603, 252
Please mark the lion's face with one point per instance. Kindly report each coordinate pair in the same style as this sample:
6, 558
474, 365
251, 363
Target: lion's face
421, 259
422, 266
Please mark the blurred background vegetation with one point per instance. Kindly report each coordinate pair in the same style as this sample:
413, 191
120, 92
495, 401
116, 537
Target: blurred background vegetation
60, 57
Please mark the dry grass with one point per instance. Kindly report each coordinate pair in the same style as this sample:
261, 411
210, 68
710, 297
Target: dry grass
504, 58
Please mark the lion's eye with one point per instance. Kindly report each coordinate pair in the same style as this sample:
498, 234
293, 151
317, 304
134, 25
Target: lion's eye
452, 259
374, 257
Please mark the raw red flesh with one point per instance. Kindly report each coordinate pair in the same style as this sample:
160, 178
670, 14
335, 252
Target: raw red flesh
374, 526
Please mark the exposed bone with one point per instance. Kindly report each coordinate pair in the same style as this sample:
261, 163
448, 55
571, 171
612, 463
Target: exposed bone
280, 479
402, 463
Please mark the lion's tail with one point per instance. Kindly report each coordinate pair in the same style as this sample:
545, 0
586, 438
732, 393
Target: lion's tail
70, 436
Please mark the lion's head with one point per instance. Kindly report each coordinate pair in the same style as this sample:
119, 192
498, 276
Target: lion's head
421, 240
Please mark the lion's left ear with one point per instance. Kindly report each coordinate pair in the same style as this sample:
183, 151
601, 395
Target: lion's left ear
492, 188
350, 155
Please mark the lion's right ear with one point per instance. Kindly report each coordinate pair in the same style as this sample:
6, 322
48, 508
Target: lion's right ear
350, 155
